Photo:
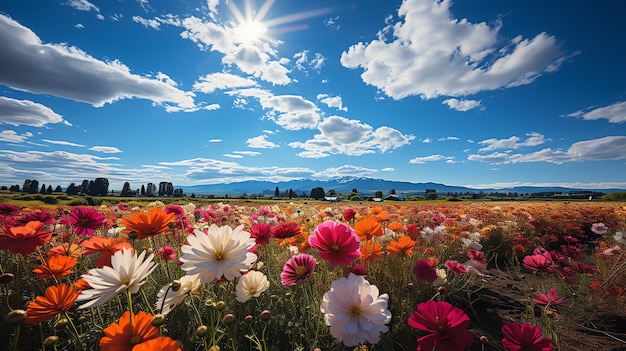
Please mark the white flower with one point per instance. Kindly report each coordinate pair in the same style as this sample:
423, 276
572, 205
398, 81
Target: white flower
619, 237
442, 277
354, 311
127, 273
168, 298
251, 285
221, 252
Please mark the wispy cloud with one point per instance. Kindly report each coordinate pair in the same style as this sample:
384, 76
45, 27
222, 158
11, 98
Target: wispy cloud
12, 137
432, 158
512, 143
26, 112
62, 142
615, 113
105, 149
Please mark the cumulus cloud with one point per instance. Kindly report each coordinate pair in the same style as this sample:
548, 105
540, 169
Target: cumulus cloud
11, 136
431, 53
615, 113
432, 158
332, 101
339, 135
148, 23
68, 72
211, 82
462, 105
512, 143
601, 149
261, 142
26, 112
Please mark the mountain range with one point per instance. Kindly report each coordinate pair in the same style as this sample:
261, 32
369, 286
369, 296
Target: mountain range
363, 185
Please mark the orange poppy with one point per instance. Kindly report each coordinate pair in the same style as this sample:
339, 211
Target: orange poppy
66, 249
161, 343
148, 224
107, 246
56, 299
370, 251
396, 226
119, 336
56, 267
403, 246
367, 228
24, 239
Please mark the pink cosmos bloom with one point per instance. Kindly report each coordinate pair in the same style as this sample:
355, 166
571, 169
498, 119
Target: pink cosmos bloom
348, 214
552, 297
297, 269
612, 251
9, 210
357, 269
336, 242
538, 262
424, 272
85, 220
286, 230
599, 228
167, 253
456, 267
261, 232
476, 255
526, 338
37, 216
446, 324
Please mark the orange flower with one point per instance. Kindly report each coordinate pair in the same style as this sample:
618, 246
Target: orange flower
367, 228
56, 267
107, 246
56, 299
161, 343
24, 239
370, 251
301, 241
395, 226
119, 336
403, 246
66, 249
148, 224
81, 284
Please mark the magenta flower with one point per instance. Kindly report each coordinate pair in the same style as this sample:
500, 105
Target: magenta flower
456, 267
167, 253
261, 232
297, 269
336, 242
37, 216
447, 326
538, 262
9, 210
357, 269
286, 230
424, 272
552, 297
349, 214
526, 338
85, 220
599, 228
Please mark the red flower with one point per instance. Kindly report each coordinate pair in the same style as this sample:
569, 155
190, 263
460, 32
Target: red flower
286, 230
85, 220
297, 269
349, 214
261, 232
456, 267
335, 242
9, 210
424, 272
538, 262
446, 324
24, 239
552, 297
526, 338
167, 253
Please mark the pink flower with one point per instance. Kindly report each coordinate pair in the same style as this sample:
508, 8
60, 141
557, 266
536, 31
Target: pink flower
552, 297
297, 269
357, 269
456, 267
349, 214
85, 220
286, 230
476, 255
424, 272
261, 232
599, 228
167, 253
447, 326
526, 338
538, 262
336, 242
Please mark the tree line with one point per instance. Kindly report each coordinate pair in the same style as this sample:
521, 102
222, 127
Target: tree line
96, 187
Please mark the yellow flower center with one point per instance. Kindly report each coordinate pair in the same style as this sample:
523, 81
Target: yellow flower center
135, 339
301, 270
126, 281
355, 310
334, 247
219, 255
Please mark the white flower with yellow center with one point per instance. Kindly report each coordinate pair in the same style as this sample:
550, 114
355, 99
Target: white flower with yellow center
251, 285
174, 293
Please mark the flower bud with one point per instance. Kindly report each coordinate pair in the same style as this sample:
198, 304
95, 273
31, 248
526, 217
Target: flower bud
176, 285
202, 331
209, 303
158, 320
220, 305
442, 290
228, 319
6, 278
51, 341
15, 317
214, 348
483, 339
133, 235
249, 318
61, 323
265, 315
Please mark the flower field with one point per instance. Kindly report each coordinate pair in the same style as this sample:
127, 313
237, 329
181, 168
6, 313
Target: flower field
314, 276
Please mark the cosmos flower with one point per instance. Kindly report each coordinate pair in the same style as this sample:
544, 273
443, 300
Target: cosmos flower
424, 271
336, 242
261, 232
154, 222
174, 293
619, 237
367, 228
370, 250
538, 262
85, 220
354, 311
56, 299
9, 210
551, 298
106, 246
221, 252
348, 214
124, 336
403, 246
24, 239
446, 325
456, 267
161, 343
167, 253
66, 249
599, 228
286, 230
297, 269
127, 273
55, 267
251, 284
525, 338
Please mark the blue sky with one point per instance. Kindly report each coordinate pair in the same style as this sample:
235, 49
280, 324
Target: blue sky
195, 92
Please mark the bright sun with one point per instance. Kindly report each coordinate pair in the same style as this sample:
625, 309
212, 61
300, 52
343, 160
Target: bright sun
250, 31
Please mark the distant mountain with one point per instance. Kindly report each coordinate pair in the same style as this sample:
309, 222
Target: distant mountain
363, 185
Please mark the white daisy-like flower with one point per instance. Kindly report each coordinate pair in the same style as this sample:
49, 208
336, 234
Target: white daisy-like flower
619, 237
251, 285
354, 311
221, 252
173, 294
127, 273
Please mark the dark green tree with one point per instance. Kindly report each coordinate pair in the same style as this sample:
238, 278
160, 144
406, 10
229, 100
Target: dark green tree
378, 194
318, 193
58, 189
277, 192
126, 191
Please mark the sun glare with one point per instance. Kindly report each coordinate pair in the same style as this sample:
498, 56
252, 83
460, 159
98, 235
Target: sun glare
250, 31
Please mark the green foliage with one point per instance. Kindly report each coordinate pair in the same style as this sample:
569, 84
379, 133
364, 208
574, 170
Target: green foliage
50, 200
619, 196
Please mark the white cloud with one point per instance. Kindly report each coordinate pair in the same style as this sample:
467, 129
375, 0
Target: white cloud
25, 112
344, 171
388, 169
232, 155
332, 101
211, 82
79, 26
215, 141
431, 158
427, 140
93, 81
62, 142
453, 138
247, 153
148, 23
261, 142
513, 142
339, 135
602, 149
462, 105
12, 137
303, 61
615, 113
331, 22
83, 5
431, 54
105, 149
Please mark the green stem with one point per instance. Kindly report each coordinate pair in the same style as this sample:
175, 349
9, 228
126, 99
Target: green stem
74, 332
